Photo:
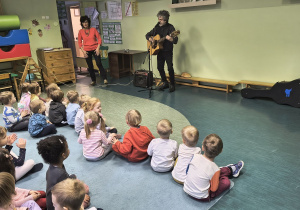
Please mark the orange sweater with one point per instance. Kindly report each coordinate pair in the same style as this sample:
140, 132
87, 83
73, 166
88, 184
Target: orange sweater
135, 144
91, 41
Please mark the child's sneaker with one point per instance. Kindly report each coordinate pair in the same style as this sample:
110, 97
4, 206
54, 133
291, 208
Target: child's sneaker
236, 168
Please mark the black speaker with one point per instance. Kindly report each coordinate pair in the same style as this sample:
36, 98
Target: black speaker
143, 78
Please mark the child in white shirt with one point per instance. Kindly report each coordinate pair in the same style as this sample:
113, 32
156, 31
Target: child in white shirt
163, 150
205, 180
190, 136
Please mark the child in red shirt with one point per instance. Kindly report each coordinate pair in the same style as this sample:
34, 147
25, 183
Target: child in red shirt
136, 139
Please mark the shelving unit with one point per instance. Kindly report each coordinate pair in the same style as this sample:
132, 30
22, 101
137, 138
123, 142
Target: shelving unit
193, 4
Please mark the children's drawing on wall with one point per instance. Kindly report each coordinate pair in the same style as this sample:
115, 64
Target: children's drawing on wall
112, 33
47, 27
29, 31
35, 23
40, 32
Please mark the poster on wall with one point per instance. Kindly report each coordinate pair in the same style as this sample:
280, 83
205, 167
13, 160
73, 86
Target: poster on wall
114, 10
61, 10
112, 33
93, 14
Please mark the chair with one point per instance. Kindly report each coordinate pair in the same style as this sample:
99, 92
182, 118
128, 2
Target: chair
6, 82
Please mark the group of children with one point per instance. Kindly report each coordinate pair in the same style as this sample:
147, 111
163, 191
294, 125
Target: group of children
200, 176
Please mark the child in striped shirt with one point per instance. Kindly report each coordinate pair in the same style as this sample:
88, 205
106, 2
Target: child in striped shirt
95, 144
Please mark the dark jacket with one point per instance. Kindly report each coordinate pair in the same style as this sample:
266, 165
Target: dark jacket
57, 112
163, 31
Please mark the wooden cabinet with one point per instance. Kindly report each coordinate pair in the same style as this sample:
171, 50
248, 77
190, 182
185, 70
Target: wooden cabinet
57, 64
121, 62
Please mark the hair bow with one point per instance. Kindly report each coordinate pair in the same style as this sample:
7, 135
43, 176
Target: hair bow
89, 121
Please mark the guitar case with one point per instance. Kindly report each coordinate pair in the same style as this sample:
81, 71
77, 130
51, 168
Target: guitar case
282, 93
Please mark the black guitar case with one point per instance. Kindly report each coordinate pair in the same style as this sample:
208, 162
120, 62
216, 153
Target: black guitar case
282, 93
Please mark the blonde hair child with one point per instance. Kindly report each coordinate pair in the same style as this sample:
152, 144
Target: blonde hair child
49, 89
163, 150
72, 107
186, 151
68, 195
95, 144
7, 191
25, 98
79, 118
35, 90
14, 120
136, 139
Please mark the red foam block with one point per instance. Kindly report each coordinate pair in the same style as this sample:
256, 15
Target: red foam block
19, 50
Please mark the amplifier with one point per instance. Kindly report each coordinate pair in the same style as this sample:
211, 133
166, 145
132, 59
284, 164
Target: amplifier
143, 78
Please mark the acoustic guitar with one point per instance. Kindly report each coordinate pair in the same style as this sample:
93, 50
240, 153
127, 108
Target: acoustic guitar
282, 93
157, 44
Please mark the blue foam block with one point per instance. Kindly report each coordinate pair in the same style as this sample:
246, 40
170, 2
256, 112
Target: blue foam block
15, 37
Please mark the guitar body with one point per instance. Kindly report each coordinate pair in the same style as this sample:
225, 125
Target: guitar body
155, 46
282, 93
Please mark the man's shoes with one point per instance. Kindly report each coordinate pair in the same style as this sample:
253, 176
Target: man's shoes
171, 88
93, 83
236, 168
163, 85
105, 81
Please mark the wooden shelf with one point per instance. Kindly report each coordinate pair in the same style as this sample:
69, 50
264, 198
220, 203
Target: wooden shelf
193, 4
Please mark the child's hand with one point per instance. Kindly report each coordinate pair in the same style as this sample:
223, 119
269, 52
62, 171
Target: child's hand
21, 143
49, 122
35, 194
24, 113
114, 140
11, 139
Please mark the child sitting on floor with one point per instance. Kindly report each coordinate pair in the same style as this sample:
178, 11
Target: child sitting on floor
38, 125
25, 98
49, 89
95, 144
7, 191
136, 139
72, 107
22, 166
14, 120
205, 180
57, 110
79, 118
22, 195
190, 136
69, 195
163, 150
94, 104
54, 150
35, 91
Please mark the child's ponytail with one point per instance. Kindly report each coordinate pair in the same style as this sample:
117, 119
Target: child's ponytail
92, 119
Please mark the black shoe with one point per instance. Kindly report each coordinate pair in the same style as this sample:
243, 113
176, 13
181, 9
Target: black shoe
171, 88
163, 86
93, 83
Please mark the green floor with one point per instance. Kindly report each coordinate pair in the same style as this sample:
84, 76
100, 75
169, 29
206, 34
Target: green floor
265, 135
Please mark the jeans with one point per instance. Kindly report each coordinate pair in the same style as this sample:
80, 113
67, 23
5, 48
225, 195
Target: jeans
89, 61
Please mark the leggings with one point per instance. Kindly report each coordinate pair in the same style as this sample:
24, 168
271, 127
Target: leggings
22, 125
89, 61
50, 129
22, 170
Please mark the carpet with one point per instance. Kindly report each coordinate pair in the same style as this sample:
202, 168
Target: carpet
114, 182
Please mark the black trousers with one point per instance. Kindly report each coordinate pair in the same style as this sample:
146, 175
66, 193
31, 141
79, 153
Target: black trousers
50, 129
162, 57
89, 61
22, 125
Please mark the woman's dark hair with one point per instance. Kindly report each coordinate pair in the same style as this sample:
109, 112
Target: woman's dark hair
52, 148
6, 163
84, 18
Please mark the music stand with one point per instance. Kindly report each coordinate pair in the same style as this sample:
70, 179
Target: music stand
148, 87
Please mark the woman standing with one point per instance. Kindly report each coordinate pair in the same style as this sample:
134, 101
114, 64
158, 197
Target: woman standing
89, 41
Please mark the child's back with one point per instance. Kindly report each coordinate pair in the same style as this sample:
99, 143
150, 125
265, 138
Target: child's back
24, 102
135, 144
185, 155
201, 169
163, 152
190, 136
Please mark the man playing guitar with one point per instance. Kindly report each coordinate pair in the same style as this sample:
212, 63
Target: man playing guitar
164, 29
